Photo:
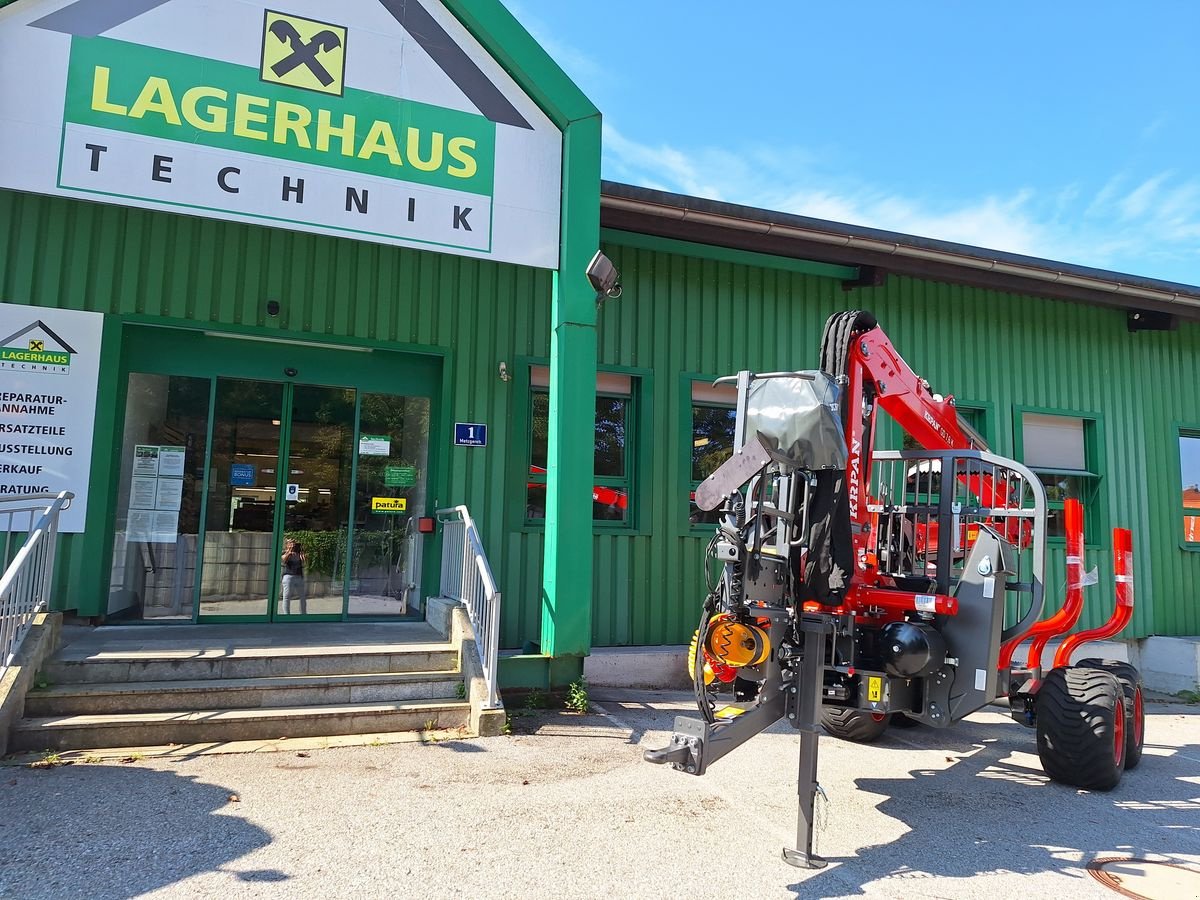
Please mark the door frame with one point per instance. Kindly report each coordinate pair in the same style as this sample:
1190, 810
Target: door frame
283, 473
158, 350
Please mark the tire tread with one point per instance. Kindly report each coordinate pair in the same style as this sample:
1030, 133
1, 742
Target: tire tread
1074, 727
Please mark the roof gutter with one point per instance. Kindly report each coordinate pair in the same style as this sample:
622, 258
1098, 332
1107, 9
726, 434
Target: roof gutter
893, 248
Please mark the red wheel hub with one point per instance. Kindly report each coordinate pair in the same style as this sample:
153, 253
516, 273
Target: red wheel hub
1119, 733
1139, 716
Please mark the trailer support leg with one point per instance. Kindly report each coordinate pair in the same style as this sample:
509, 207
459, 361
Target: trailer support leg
804, 710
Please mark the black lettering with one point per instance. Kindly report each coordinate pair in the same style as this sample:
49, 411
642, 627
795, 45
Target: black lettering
289, 188
460, 218
225, 185
412, 209
354, 198
162, 168
96, 149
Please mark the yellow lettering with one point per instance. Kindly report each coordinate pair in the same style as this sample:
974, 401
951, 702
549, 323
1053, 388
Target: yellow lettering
244, 116
292, 118
156, 97
212, 117
100, 94
458, 148
325, 131
381, 139
434, 162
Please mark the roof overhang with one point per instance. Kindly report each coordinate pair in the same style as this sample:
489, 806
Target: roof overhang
629, 208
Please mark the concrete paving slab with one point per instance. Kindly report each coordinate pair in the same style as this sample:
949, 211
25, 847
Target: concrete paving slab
566, 808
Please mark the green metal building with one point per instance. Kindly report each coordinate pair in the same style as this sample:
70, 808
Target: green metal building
244, 357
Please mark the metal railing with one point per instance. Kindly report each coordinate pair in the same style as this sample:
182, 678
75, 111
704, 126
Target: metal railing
914, 504
467, 577
29, 575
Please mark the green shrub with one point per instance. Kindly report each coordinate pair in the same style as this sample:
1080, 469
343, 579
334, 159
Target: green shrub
577, 696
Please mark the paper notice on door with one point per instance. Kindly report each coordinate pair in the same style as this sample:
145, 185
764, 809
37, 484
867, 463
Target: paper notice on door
170, 493
170, 461
164, 528
143, 491
374, 445
139, 524
145, 459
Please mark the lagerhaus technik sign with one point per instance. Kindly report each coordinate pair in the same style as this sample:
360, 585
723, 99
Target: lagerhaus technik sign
383, 120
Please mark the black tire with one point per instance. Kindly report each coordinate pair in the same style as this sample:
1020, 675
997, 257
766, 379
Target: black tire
1135, 704
856, 725
1080, 715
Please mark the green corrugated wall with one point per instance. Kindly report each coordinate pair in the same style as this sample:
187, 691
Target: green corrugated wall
685, 314
197, 272
678, 314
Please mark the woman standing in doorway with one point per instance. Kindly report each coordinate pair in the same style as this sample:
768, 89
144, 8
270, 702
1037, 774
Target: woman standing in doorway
293, 577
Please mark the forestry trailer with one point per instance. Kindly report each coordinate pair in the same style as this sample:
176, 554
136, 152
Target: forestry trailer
853, 588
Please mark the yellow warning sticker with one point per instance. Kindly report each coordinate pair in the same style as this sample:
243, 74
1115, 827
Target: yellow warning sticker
389, 504
874, 689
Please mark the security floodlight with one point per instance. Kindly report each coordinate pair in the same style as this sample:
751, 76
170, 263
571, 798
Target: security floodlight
605, 278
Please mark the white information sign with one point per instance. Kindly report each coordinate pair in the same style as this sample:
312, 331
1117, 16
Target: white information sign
164, 526
383, 120
49, 363
170, 494
143, 492
374, 445
170, 461
139, 525
145, 459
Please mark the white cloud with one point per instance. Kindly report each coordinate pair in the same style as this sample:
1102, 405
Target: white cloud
1151, 229
1137, 202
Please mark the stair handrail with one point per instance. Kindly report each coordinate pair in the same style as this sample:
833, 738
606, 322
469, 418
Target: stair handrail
467, 577
28, 578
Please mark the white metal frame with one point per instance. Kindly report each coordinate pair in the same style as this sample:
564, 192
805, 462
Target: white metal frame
29, 578
467, 577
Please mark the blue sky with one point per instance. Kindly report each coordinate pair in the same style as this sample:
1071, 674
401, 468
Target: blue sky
1067, 130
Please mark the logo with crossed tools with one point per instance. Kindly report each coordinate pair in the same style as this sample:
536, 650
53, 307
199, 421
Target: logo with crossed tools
303, 53
37, 345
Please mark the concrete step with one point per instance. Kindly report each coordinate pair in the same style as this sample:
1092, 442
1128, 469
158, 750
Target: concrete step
240, 693
211, 726
270, 662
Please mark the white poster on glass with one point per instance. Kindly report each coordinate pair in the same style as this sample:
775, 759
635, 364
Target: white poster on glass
170, 493
143, 492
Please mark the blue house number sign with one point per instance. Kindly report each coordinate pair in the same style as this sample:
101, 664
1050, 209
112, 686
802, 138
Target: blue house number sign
470, 434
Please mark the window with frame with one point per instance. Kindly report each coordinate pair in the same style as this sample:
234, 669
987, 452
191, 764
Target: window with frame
1062, 452
613, 481
714, 414
1189, 477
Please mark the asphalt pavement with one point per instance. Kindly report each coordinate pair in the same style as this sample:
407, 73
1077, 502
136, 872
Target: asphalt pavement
565, 807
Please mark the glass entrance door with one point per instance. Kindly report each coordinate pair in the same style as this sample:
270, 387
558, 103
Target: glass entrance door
316, 505
279, 486
249, 497
237, 571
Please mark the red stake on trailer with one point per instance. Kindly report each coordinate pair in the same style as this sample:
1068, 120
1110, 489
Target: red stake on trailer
1063, 620
1122, 613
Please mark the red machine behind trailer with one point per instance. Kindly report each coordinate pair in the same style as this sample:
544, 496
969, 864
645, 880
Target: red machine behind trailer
860, 587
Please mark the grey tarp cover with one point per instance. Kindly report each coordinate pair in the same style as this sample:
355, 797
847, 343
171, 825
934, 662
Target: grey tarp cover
798, 419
